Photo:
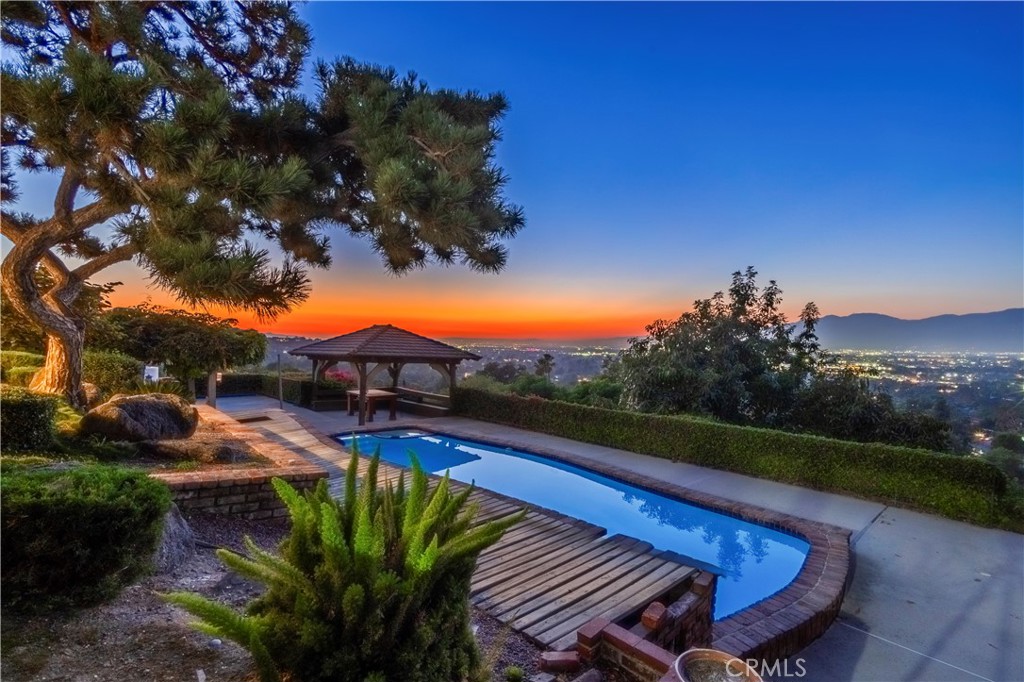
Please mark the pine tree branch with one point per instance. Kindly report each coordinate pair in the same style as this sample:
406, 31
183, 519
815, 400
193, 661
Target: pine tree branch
115, 255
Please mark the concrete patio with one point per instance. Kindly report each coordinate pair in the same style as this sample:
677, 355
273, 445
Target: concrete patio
931, 599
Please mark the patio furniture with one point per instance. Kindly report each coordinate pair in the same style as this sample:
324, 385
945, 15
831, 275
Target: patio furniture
373, 395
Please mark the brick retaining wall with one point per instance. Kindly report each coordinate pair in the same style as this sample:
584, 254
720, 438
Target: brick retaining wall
245, 492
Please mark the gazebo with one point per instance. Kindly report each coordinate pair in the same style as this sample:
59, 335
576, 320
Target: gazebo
387, 348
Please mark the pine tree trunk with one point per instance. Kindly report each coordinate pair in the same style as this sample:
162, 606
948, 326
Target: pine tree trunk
62, 372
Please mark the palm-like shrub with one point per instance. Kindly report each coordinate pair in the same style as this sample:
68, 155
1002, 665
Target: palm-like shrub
372, 587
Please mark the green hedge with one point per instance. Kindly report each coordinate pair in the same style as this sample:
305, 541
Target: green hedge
77, 536
959, 487
17, 358
233, 384
296, 391
26, 419
110, 370
20, 376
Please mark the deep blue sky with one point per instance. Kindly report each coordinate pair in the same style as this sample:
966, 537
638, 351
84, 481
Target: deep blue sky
867, 156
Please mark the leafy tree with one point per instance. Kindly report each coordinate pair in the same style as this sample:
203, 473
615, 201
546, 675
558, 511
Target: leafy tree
734, 358
601, 391
840, 404
531, 384
191, 345
176, 133
1014, 442
504, 372
545, 366
1008, 461
373, 587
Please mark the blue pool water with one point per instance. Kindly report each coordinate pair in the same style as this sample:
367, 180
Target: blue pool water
753, 561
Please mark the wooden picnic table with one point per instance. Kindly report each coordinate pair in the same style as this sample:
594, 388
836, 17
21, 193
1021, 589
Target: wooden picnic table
372, 396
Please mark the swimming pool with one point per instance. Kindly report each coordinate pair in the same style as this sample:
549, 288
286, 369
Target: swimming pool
753, 561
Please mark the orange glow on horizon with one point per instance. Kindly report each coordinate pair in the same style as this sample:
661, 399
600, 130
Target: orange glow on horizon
445, 319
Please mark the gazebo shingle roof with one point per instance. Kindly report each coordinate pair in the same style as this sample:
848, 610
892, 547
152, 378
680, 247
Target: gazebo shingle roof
383, 343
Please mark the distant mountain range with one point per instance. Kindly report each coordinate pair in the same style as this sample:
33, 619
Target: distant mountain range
997, 332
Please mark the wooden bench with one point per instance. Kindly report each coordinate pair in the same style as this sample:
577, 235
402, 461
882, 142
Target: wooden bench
423, 403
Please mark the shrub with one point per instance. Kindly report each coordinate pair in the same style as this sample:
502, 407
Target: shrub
484, 382
514, 673
26, 419
20, 376
165, 386
110, 370
374, 587
77, 536
958, 487
16, 358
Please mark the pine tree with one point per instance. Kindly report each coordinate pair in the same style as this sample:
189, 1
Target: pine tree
176, 132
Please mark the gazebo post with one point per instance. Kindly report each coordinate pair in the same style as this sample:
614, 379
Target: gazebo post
312, 397
361, 369
451, 378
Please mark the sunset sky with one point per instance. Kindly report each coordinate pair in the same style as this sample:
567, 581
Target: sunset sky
868, 157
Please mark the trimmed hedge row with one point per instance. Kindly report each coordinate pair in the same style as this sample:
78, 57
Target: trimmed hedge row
296, 391
76, 536
959, 487
17, 358
26, 419
20, 376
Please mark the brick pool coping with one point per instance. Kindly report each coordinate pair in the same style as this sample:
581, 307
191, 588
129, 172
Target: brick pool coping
775, 627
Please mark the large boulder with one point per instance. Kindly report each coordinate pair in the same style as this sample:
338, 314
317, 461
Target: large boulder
196, 449
177, 544
92, 395
152, 416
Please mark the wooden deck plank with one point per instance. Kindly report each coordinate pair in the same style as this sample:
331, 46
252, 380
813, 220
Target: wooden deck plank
582, 608
558, 578
499, 557
579, 545
547, 551
538, 603
563, 636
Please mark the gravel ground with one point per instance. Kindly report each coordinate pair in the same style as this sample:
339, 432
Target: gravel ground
139, 637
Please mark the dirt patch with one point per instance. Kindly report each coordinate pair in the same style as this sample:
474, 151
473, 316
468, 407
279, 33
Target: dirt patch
209, 442
139, 637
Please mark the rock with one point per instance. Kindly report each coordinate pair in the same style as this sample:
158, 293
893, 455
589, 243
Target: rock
91, 394
153, 416
177, 544
195, 449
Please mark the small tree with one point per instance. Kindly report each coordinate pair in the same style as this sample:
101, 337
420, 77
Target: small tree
504, 372
374, 587
192, 345
545, 366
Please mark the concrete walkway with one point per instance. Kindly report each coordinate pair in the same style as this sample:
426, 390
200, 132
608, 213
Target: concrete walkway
931, 599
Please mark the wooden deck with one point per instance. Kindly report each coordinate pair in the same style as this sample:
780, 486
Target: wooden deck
548, 575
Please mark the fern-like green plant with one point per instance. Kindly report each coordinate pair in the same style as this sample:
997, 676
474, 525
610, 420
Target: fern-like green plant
374, 586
